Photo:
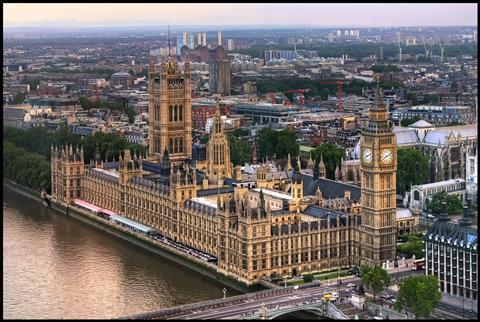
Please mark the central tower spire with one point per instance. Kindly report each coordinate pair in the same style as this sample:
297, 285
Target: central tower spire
168, 41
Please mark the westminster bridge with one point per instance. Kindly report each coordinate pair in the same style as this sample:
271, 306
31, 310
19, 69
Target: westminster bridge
266, 304
272, 303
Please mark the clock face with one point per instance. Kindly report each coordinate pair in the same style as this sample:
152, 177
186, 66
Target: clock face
387, 156
367, 155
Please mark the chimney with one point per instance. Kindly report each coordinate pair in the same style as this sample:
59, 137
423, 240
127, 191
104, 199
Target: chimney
199, 39
205, 39
219, 38
184, 38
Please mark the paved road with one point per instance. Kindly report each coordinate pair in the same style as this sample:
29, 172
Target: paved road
456, 311
293, 298
444, 310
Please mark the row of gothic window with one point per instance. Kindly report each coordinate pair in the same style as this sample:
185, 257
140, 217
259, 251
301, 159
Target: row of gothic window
175, 145
175, 113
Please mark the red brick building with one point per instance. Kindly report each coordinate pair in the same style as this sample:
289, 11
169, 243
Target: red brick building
202, 111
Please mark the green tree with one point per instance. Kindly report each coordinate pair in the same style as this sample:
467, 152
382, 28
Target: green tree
332, 157
413, 246
240, 132
286, 144
25, 168
375, 278
420, 294
454, 204
407, 122
307, 278
19, 98
85, 103
427, 99
412, 97
39, 140
33, 83
277, 143
412, 168
324, 94
239, 151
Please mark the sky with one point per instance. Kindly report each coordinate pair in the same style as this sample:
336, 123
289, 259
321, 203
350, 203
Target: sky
314, 14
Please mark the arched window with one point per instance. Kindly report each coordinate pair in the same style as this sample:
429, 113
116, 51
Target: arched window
180, 113
157, 113
175, 113
170, 113
175, 145
416, 195
180, 147
170, 145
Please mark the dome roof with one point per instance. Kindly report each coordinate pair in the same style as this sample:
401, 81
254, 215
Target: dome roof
121, 74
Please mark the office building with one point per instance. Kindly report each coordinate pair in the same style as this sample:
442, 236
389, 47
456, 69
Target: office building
451, 255
220, 74
230, 44
123, 79
280, 54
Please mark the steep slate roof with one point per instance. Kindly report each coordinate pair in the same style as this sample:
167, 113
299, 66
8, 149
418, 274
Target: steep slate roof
151, 166
111, 165
434, 137
323, 213
214, 191
408, 137
329, 188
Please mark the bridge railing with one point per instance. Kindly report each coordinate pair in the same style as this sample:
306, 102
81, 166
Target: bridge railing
183, 309
335, 312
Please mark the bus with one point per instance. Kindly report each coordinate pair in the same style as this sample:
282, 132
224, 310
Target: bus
419, 264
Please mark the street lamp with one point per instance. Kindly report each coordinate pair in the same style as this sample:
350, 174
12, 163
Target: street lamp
224, 293
285, 280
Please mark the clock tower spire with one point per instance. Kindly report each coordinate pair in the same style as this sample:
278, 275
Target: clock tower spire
378, 166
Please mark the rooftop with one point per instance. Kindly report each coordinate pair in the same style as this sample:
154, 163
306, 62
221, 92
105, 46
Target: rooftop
205, 201
421, 124
403, 213
276, 194
440, 183
112, 172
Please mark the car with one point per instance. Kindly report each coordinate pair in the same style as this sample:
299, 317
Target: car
351, 285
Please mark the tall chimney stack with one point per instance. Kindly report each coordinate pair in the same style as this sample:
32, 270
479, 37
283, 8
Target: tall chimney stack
219, 38
199, 39
184, 34
205, 39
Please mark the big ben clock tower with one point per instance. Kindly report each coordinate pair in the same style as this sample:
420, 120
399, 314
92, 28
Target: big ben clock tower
378, 164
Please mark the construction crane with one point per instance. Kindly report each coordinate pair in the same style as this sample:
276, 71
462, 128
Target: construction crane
442, 50
399, 53
427, 52
339, 92
96, 93
299, 91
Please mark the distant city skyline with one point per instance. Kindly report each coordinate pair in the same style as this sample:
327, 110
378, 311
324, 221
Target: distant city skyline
236, 14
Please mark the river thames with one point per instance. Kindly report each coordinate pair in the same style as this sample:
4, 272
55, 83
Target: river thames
58, 267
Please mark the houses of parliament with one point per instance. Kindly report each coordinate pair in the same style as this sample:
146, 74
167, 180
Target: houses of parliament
270, 224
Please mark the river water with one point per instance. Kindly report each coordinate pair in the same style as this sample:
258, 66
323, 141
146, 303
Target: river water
58, 267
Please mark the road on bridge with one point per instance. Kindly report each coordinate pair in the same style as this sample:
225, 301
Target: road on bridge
293, 298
